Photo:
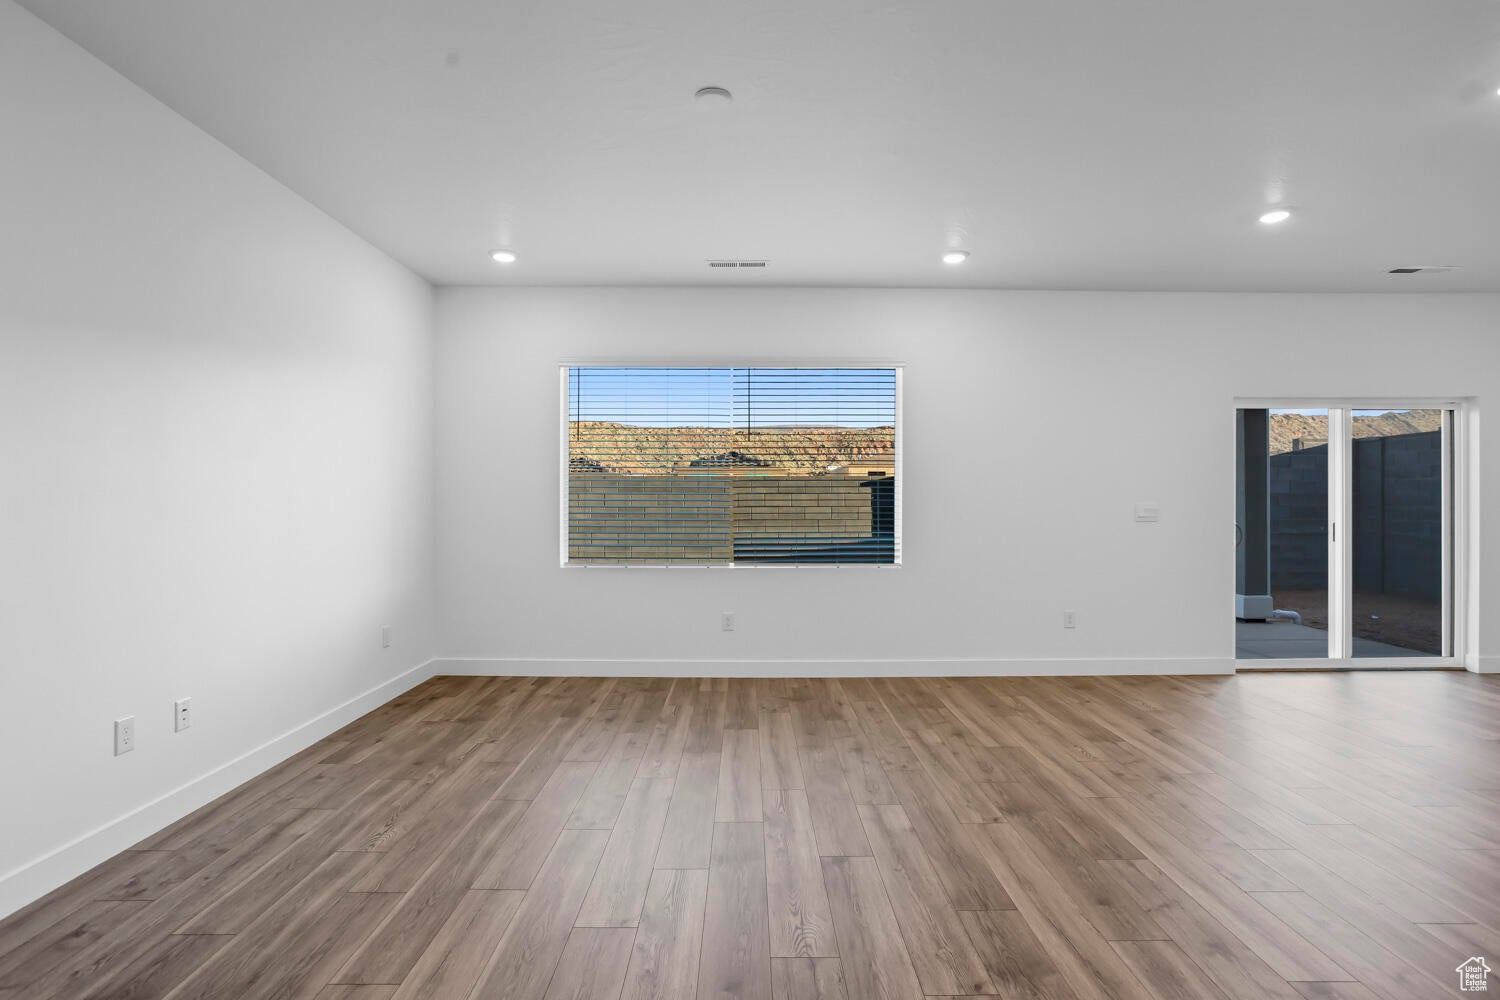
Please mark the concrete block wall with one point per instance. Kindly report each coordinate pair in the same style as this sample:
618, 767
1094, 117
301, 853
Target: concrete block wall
1299, 519
1398, 511
620, 518
686, 518
1397, 517
819, 519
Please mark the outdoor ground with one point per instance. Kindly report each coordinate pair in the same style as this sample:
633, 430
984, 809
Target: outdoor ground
1398, 621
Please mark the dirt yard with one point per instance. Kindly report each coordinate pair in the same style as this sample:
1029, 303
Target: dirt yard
1399, 621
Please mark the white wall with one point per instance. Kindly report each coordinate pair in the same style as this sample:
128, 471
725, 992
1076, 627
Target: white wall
215, 464
1107, 398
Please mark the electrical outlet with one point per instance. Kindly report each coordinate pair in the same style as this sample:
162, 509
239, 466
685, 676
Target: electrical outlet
124, 735
183, 717
726, 622
1070, 619
385, 637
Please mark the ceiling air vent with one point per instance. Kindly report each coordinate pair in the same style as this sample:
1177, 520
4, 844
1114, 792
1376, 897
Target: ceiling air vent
736, 263
1423, 269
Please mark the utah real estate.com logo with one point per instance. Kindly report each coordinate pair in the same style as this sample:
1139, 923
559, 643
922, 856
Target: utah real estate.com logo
1472, 975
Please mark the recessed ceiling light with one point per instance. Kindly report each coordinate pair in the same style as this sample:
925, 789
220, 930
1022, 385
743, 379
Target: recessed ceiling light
713, 94
955, 256
503, 256
1276, 215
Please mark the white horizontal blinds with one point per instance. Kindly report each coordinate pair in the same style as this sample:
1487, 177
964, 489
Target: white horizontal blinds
634, 493
744, 465
830, 432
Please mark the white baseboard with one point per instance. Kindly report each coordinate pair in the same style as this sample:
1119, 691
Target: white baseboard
40, 876
1475, 665
518, 667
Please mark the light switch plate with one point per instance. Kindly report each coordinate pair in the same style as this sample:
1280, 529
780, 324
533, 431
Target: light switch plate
1148, 512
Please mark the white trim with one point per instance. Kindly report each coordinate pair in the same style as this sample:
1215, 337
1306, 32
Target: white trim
1467, 541
1348, 402
740, 567
562, 467
1340, 490
1359, 663
978, 667
1464, 532
897, 515
37, 877
1483, 665
720, 361
1449, 507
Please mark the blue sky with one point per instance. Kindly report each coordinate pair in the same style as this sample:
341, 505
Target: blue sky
734, 397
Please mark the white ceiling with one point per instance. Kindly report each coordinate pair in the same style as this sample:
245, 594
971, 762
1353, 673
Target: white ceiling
1066, 143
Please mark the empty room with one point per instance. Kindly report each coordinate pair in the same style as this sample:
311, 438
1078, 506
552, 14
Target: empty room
840, 500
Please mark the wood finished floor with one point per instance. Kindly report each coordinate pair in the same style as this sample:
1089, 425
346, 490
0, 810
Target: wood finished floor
1285, 836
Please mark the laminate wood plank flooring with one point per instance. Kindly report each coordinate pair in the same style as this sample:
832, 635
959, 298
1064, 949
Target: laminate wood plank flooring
668, 943
878, 962
739, 777
1281, 836
687, 838
935, 939
835, 817
619, 889
526, 958
736, 959
801, 924
390, 954
807, 979
593, 964
450, 962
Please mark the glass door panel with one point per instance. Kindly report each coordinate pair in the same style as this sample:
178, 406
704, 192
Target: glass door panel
1282, 539
1400, 497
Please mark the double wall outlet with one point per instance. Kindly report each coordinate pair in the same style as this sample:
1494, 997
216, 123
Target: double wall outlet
124, 735
1070, 619
182, 716
385, 637
726, 621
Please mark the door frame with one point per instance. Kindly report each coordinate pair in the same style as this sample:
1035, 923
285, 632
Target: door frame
1456, 531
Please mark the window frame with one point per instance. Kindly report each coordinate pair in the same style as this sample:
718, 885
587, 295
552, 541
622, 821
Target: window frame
562, 463
1459, 521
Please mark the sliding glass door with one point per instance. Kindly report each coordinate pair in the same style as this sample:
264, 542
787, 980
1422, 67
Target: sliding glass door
1344, 522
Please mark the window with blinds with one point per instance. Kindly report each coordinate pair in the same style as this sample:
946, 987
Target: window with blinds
731, 466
